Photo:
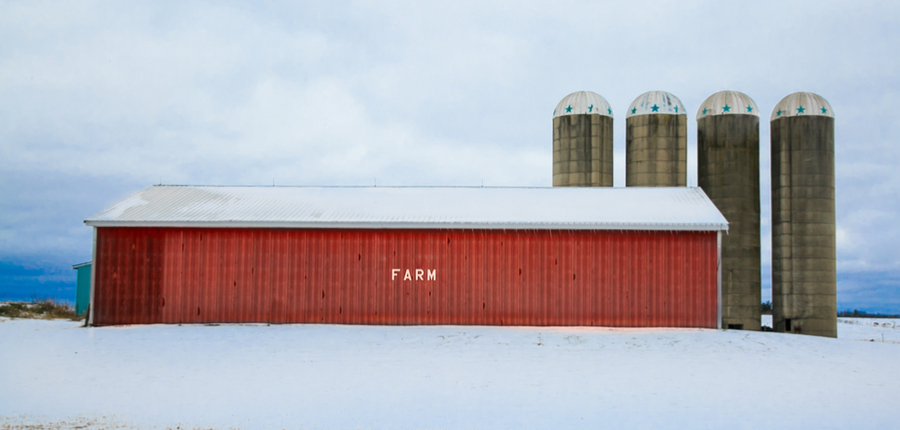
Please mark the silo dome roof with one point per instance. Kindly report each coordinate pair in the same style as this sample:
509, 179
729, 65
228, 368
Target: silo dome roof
727, 103
583, 102
656, 102
802, 104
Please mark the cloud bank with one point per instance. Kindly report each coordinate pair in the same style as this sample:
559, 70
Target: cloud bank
100, 99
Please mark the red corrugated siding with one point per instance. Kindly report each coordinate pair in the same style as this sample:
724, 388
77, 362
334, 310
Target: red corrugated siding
484, 277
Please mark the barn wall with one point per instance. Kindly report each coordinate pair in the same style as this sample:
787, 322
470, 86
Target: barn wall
481, 277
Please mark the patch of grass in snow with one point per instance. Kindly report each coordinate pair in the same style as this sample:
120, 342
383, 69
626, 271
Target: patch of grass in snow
25, 422
40, 308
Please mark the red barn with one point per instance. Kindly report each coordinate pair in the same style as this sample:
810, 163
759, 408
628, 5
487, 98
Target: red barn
617, 257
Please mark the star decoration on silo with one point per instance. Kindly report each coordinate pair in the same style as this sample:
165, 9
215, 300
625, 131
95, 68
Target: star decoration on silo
824, 110
801, 109
676, 109
609, 111
726, 108
569, 109
633, 111
591, 108
778, 113
704, 111
749, 108
654, 108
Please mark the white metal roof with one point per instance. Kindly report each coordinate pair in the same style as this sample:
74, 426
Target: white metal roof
727, 103
583, 102
656, 102
596, 208
802, 104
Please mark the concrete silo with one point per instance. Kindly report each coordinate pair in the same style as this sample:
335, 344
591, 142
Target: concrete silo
804, 269
583, 141
728, 171
656, 141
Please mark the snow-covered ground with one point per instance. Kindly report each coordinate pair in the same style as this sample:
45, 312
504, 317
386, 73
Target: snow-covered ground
870, 329
330, 376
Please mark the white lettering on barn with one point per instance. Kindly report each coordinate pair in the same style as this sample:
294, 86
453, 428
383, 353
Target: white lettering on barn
417, 274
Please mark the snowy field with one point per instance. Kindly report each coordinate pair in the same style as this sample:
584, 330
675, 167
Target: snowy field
56, 374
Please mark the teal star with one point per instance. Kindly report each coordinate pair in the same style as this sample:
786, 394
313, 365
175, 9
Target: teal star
609, 111
778, 113
824, 110
633, 111
801, 109
591, 108
569, 109
676, 109
726, 108
749, 108
704, 111
554, 111
654, 108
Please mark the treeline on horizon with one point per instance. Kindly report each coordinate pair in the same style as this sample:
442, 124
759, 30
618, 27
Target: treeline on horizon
863, 314
766, 308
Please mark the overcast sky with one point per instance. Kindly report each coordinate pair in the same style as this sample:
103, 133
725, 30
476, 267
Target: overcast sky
101, 99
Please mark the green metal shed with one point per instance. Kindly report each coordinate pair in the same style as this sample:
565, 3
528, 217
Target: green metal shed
82, 287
